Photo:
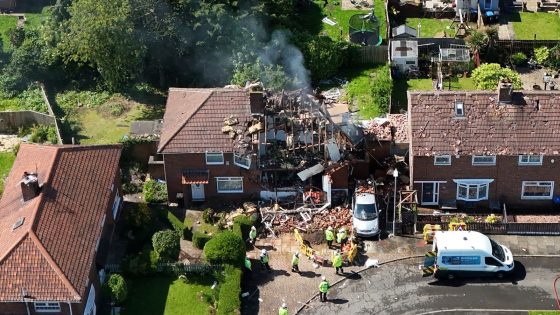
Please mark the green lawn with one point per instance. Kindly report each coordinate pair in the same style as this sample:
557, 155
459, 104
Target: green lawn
6, 161
34, 19
311, 18
431, 27
6, 22
527, 24
544, 312
166, 296
96, 128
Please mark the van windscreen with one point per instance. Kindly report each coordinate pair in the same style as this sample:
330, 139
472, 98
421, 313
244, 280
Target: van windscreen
365, 211
497, 251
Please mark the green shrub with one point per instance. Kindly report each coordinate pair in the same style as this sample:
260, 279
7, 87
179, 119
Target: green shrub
178, 226
71, 100
487, 76
208, 215
519, 59
242, 225
118, 288
492, 218
541, 55
200, 239
381, 88
229, 301
166, 244
225, 248
154, 191
43, 133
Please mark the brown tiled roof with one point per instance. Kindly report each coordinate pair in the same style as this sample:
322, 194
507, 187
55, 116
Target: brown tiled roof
487, 127
392, 128
194, 119
51, 254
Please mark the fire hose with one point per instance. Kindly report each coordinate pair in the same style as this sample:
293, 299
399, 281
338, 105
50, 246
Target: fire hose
556, 292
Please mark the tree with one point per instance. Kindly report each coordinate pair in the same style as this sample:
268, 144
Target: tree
542, 54
166, 245
225, 248
154, 191
273, 77
477, 41
118, 288
487, 76
101, 34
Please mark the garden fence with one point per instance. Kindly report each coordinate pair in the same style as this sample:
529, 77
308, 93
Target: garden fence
524, 46
51, 112
10, 121
171, 267
503, 228
373, 54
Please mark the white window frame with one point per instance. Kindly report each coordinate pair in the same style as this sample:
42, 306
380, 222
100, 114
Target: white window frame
537, 183
215, 154
526, 160
446, 156
238, 159
477, 184
116, 206
220, 179
459, 109
47, 307
475, 163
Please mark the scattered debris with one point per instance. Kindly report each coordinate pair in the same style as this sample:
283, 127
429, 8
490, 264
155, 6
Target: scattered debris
328, 21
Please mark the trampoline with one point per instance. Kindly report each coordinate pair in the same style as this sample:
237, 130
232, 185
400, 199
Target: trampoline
364, 30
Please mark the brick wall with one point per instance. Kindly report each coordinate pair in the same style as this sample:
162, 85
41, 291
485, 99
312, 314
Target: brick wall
19, 308
176, 163
507, 175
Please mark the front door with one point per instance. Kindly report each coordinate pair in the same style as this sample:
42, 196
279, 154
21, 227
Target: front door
197, 191
430, 193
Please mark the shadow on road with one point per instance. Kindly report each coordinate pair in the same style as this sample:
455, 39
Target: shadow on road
353, 275
518, 274
338, 301
309, 274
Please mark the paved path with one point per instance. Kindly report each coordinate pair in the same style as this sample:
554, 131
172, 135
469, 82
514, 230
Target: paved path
398, 288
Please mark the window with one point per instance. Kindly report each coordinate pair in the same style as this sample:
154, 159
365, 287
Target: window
537, 190
242, 161
442, 160
47, 307
228, 185
410, 62
116, 206
459, 109
487, 4
460, 260
530, 159
214, 158
472, 189
491, 261
484, 160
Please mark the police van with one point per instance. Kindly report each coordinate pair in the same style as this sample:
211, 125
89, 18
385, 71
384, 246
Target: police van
466, 253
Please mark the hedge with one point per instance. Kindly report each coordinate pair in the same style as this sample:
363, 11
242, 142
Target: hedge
199, 239
179, 226
225, 248
228, 300
242, 225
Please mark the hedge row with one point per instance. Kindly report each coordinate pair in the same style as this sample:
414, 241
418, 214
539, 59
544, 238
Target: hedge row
242, 225
200, 239
180, 227
229, 301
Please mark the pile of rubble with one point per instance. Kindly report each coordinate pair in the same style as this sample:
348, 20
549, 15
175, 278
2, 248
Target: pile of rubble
279, 220
393, 127
248, 209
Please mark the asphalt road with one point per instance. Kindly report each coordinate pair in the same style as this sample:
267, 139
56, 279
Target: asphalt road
398, 288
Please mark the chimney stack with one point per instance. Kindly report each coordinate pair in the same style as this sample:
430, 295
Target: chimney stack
256, 99
29, 186
505, 90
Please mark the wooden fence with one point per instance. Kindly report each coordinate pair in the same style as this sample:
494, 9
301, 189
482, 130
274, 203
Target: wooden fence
524, 46
49, 106
10, 121
504, 228
373, 54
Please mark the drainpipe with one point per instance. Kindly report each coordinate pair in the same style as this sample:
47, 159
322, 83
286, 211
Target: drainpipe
23, 294
70, 307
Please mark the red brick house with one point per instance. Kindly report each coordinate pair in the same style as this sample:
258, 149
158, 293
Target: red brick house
202, 161
481, 150
57, 217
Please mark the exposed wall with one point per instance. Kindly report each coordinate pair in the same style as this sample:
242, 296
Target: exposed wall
176, 163
507, 175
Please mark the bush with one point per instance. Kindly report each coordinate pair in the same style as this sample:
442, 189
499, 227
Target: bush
323, 56
381, 88
228, 299
166, 244
242, 225
154, 191
541, 55
519, 59
492, 218
487, 76
118, 288
200, 239
225, 248
138, 218
43, 133
208, 215
554, 57
179, 226
141, 264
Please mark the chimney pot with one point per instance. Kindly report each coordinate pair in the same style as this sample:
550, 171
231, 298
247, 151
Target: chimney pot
505, 90
29, 186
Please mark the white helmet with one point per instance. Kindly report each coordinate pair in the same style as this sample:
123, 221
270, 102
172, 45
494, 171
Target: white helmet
297, 254
263, 251
253, 228
323, 278
330, 228
284, 305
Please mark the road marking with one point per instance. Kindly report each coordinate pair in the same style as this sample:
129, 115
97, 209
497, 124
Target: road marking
474, 310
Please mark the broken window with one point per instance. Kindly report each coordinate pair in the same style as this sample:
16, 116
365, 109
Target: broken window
459, 109
537, 190
228, 185
530, 159
214, 158
442, 160
484, 160
242, 161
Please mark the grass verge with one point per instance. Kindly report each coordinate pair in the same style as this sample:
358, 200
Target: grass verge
6, 22
6, 161
431, 27
542, 24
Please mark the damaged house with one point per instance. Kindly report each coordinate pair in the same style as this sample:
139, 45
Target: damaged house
484, 150
235, 143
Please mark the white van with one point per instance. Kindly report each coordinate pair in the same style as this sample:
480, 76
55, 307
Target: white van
365, 215
467, 253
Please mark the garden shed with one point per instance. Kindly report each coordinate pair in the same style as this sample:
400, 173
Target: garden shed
404, 31
404, 54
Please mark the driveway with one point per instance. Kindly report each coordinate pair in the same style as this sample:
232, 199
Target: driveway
398, 288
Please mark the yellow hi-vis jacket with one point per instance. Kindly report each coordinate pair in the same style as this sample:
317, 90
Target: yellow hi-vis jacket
329, 235
337, 261
324, 286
